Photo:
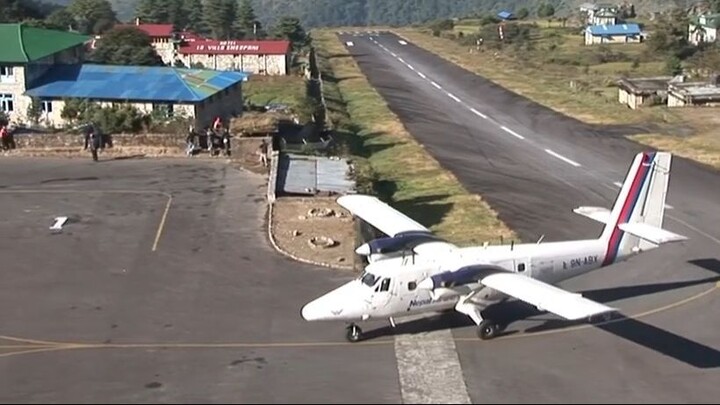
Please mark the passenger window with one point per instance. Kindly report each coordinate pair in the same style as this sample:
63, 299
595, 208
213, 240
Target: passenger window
412, 285
521, 267
385, 285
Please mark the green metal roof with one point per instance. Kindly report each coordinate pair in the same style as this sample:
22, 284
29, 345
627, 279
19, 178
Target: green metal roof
711, 21
22, 43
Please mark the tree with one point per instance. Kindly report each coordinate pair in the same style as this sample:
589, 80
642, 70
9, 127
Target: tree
219, 17
92, 16
34, 110
522, 14
673, 65
193, 11
546, 10
246, 23
61, 19
126, 46
289, 28
670, 36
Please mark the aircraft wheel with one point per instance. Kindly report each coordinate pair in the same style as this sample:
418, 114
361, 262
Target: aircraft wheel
487, 329
354, 333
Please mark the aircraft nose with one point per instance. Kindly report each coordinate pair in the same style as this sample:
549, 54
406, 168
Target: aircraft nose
314, 311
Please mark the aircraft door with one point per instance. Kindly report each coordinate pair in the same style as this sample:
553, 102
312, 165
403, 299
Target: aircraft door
383, 293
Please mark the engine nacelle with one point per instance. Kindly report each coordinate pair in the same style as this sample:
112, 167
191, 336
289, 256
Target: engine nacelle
400, 243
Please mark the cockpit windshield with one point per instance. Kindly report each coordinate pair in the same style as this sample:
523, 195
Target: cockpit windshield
369, 279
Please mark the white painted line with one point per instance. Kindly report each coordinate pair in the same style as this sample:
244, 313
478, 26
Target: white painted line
478, 113
563, 158
421, 74
513, 133
402, 42
617, 183
401, 60
452, 96
436, 85
349, 43
669, 207
59, 222
393, 54
410, 67
429, 369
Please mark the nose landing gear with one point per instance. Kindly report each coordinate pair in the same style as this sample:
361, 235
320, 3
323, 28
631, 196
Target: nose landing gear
354, 333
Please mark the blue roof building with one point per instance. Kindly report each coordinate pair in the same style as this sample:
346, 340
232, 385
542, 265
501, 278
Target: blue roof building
613, 34
201, 94
505, 15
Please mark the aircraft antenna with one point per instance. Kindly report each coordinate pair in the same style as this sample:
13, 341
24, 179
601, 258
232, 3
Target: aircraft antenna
512, 244
541, 238
501, 239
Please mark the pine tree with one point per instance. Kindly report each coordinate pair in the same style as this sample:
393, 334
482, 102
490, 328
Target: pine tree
246, 23
193, 10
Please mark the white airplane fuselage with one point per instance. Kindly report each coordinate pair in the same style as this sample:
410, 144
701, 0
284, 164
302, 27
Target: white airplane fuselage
551, 262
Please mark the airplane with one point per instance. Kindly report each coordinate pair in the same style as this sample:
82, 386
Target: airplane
412, 270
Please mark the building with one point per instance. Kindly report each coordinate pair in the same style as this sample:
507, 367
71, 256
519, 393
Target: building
269, 57
161, 36
256, 57
705, 94
704, 28
197, 94
638, 92
599, 14
604, 17
613, 34
26, 56
506, 15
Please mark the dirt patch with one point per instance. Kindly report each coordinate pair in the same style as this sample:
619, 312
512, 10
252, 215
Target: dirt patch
245, 154
315, 229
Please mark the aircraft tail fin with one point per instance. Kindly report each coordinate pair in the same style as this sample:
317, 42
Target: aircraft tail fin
635, 221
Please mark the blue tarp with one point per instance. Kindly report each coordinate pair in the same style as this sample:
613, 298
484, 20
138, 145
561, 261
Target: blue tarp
619, 29
505, 15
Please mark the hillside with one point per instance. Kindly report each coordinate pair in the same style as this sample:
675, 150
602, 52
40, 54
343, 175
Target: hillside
315, 13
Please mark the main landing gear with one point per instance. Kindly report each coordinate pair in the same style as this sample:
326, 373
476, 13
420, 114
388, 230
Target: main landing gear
354, 333
488, 329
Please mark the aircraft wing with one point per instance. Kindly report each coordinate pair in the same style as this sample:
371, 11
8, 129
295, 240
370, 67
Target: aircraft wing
380, 215
569, 305
405, 230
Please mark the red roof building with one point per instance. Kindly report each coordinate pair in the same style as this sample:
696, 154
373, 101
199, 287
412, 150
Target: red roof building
210, 46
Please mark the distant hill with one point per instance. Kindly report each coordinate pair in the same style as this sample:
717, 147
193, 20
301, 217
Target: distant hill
316, 13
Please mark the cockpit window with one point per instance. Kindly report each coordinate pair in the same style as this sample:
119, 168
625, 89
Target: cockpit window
385, 285
369, 279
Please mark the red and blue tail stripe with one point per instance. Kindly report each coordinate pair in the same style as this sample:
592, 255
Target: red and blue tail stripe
628, 207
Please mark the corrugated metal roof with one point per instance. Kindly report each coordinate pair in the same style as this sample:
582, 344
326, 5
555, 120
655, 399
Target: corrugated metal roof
310, 175
618, 29
22, 44
141, 83
153, 30
505, 15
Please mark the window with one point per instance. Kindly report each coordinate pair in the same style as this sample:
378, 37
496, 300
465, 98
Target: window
6, 74
412, 286
521, 267
385, 284
46, 106
7, 103
163, 110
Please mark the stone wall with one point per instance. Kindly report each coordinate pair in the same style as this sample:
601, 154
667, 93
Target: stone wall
256, 64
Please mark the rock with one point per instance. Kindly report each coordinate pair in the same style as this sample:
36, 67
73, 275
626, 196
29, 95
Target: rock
301, 217
295, 232
322, 242
341, 259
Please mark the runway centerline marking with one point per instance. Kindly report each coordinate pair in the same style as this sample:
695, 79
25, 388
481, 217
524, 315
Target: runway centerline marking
421, 74
437, 86
561, 157
452, 96
478, 113
511, 132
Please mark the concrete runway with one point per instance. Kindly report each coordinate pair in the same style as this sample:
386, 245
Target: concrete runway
534, 166
143, 298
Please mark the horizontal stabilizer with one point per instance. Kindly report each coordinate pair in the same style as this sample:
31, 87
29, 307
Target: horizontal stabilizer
651, 233
599, 214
